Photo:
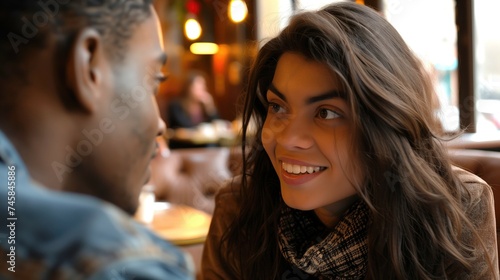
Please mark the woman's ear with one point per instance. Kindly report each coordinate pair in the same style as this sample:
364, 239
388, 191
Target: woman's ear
84, 69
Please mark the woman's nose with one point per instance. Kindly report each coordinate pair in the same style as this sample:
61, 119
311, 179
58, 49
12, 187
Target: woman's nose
291, 133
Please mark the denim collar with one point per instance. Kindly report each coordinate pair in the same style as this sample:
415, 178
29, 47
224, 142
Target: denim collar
8, 153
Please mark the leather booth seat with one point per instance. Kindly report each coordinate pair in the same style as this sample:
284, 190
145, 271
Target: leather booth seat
193, 176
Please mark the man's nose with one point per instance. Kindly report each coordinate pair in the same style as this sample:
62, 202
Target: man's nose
162, 127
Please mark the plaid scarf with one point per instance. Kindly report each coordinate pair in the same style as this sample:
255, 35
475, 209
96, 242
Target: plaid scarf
338, 253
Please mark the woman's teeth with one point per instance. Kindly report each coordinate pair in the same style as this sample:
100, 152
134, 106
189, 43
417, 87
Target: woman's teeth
300, 169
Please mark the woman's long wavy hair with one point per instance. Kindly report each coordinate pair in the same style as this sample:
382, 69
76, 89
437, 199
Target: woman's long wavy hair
416, 202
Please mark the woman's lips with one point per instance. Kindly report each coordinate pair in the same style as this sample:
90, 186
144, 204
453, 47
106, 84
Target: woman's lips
297, 174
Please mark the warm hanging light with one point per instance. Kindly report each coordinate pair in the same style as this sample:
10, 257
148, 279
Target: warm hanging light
192, 29
237, 10
204, 48
204, 38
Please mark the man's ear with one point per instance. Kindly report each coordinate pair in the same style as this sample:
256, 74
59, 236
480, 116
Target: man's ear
85, 68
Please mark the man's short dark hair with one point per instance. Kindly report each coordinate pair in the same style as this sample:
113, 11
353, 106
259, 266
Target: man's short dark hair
25, 24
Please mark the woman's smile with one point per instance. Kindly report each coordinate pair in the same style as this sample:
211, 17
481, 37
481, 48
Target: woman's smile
295, 173
300, 169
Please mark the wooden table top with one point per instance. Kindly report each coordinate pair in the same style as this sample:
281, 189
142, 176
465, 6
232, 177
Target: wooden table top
180, 224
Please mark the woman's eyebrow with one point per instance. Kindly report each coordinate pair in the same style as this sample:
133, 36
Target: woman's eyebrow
277, 92
324, 96
320, 97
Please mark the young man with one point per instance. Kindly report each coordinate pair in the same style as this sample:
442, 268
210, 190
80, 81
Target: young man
78, 121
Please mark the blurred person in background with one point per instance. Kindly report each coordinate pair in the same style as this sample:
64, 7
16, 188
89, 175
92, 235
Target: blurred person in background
195, 105
191, 116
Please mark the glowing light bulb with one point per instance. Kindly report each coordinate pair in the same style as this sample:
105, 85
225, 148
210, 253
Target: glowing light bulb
192, 29
204, 48
237, 10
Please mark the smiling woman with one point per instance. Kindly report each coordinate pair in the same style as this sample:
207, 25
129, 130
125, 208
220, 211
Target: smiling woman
347, 178
307, 134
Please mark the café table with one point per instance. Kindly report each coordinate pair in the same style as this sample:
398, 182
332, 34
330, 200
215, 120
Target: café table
205, 135
183, 226
180, 224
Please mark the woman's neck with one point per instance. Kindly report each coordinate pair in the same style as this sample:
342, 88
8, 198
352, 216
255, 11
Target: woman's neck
331, 214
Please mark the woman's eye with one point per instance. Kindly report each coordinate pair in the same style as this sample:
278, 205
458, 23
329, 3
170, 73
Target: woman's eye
327, 114
275, 108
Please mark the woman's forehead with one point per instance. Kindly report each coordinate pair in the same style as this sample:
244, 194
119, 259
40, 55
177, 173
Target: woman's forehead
294, 72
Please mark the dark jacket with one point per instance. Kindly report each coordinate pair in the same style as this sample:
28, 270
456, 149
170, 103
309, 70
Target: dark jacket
177, 117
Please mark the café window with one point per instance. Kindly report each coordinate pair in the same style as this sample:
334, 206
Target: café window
429, 28
487, 64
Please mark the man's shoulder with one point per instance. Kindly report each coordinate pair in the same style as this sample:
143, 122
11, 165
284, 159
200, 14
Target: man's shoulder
80, 236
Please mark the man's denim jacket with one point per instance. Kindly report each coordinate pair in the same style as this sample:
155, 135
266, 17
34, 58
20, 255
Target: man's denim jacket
46, 234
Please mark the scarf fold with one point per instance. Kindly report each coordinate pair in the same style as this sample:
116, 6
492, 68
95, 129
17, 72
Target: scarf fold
339, 253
